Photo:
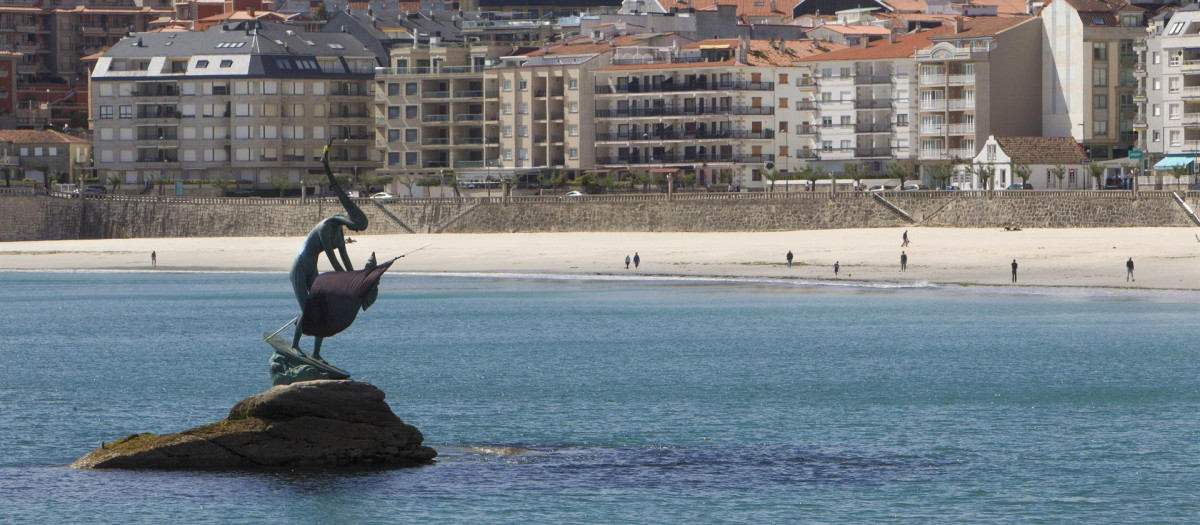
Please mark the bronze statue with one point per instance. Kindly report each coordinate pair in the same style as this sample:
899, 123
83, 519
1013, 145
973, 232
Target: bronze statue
330, 301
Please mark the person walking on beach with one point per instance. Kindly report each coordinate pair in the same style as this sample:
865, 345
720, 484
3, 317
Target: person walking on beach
1014, 267
903, 261
637, 260
154, 259
626, 262
789, 258
1129, 270
836, 267
904, 237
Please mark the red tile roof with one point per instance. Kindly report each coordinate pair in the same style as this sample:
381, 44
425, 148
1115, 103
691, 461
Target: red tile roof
1043, 150
585, 45
906, 45
38, 136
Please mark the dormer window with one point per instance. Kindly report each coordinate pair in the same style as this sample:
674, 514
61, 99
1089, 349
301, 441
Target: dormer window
1176, 28
1096, 20
226, 63
201, 64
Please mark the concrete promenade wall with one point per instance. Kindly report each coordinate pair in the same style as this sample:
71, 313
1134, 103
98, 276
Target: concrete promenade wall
38, 217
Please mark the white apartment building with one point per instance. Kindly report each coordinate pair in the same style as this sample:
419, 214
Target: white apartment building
979, 77
859, 105
252, 101
1088, 73
706, 111
1170, 71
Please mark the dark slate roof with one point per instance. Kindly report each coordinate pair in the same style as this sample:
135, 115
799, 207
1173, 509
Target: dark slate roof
251, 37
1043, 150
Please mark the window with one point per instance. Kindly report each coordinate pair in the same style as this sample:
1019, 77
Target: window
393, 112
1173, 111
846, 120
393, 135
783, 151
393, 88
523, 154
1157, 84
1155, 58
105, 111
1100, 77
902, 119
506, 131
506, 85
783, 128
126, 111
410, 158
1175, 28
1173, 85
826, 121
522, 85
826, 97
783, 78
523, 131
573, 83
1174, 59
226, 63
573, 130
1100, 101
1155, 110
573, 107
827, 145
1100, 128
410, 135
845, 145
573, 153
1174, 136
393, 158
844, 73
1156, 136
1100, 51
783, 103
410, 111
201, 64
506, 153
523, 108
506, 108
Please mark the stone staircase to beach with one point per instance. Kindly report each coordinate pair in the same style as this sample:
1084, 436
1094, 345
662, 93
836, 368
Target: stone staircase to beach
1186, 209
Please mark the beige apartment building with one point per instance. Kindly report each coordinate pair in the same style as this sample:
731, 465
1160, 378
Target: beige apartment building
981, 77
252, 101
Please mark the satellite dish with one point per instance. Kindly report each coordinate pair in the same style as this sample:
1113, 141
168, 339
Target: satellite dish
770, 165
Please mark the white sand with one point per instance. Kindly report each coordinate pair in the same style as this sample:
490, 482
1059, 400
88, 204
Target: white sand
1165, 257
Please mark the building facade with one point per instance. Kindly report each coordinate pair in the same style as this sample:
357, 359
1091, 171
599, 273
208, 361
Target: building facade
253, 102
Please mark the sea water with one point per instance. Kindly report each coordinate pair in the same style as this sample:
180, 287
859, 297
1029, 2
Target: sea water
577, 400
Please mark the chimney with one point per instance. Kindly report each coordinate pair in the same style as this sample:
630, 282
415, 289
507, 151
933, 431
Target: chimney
958, 25
772, 6
892, 37
863, 40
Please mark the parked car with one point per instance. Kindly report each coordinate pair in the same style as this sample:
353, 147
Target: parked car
383, 196
951, 188
573, 194
95, 189
913, 187
1018, 186
884, 187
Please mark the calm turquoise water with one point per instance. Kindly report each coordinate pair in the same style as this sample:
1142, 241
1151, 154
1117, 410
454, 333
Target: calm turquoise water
638, 401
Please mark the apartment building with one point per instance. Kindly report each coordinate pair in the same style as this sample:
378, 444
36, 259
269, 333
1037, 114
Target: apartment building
980, 78
858, 104
254, 101
709, 111
1088, 73
436, 111
1169, 89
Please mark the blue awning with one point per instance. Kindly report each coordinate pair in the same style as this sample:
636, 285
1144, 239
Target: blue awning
1171, 161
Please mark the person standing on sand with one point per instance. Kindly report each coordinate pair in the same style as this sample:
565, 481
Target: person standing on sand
1129, 270
154, 259
903, 261
904, 237
789, 258
836, 267
626, 262
1014, 268
637, 260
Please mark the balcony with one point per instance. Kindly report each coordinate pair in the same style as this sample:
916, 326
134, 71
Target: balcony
933, 80
933, 129
806, 105
468, 164
962, 80
436, 118
941, 104
28, 49
468, 94
468, 141
27, 28
1190, 92
806, 130
807, 154
435, 141
807, 84
873, 104
1139, 95
469, 117
873, 152
684, 135
92, 31
962, 129
436, 164
877, 127
672, 157
962, 153
156, 90
872, 79
673, 111
444, 70
436, 94
667, 87
158, 156
1139, 121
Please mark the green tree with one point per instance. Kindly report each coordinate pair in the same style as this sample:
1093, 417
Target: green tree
1096, 172
1059, 172
772, 175
281, 181
812, 175
79, 120
1179, 172
1022, 171
985, 172
222, 184
115, 182
940, 172
322, 13
853, 171
899, 169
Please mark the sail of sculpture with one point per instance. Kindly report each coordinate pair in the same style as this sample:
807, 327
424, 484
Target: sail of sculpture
336, 297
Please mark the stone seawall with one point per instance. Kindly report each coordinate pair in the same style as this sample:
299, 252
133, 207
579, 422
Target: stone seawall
36, 217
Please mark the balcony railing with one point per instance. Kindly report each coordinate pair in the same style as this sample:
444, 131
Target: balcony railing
962, 129
872, 79
435, 141
162, 90
437, 164
933, 80
1190, 91
671, 157
436, 94
469, 141
683, 135
806, 105
667, 87
444, 70
877, 127
807, 154
670, 111
436, 118
961, 80
872, 104
872, 152
468, 94
806, 130
469, 117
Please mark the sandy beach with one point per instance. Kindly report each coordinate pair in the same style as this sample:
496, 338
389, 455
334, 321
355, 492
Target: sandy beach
1165, 258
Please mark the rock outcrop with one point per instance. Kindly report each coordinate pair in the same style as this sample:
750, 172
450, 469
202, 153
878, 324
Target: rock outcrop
311, 423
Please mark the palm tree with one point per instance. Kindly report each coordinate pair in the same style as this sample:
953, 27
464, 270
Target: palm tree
985, 173
812, 174
1179, 172
940, 172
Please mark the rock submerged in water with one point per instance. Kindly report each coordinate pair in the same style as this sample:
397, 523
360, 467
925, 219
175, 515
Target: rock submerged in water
311, 423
